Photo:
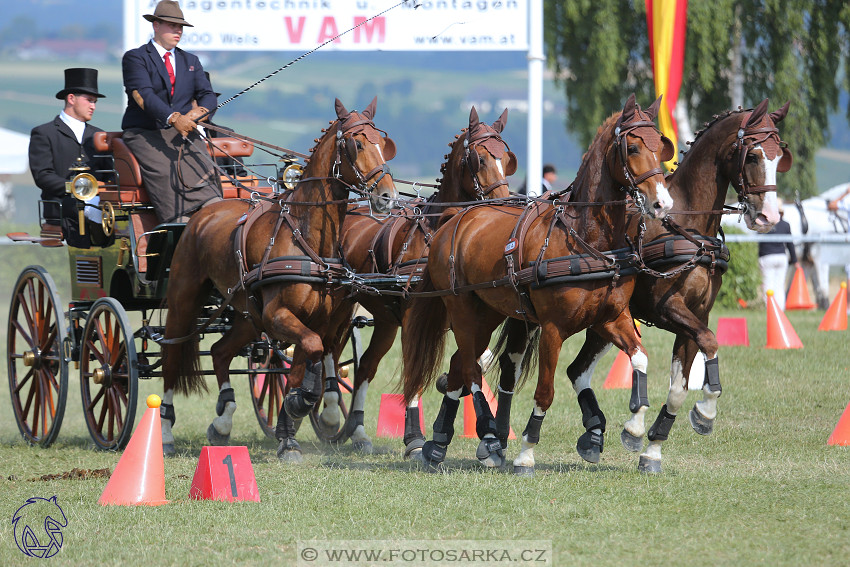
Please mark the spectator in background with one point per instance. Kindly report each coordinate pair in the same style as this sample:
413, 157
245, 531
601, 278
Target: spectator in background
54, 148
774, 258
550, 175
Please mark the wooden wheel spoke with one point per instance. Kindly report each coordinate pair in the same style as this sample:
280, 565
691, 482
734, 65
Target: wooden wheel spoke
119, 357
23, 332
94, 400
104, 407
27, 377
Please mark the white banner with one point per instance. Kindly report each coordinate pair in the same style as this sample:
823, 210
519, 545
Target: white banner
301, 25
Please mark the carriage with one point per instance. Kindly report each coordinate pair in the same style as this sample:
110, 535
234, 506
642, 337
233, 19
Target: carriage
127, 272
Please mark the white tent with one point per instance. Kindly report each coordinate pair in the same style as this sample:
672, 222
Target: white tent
13, 152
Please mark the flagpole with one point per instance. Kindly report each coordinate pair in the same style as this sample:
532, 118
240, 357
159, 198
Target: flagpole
534, 163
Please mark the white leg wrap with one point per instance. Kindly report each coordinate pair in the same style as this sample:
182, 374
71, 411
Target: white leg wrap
224, 423
653, 451
167, 436
635, 425
708, 405
526, 452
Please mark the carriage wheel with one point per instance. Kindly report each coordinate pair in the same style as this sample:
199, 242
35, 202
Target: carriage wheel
38, 369
349, 363
109, 374
267, 390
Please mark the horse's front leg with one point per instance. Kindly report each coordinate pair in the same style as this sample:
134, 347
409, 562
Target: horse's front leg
551, 340
516, 342
222, 352
591, 443
305, 388
621, 332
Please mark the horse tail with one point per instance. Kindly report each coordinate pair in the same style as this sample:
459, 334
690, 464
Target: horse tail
189, 379
423, 340
512, 328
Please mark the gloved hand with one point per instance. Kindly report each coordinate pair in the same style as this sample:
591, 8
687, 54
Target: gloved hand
196, 113
183, 124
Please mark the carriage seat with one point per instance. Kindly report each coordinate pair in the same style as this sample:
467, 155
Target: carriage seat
130, 185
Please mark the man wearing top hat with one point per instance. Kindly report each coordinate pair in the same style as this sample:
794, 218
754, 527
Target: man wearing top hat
161, 81
54, 148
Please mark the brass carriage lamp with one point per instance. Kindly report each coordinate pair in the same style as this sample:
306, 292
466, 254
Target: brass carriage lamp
83, 186
290, 175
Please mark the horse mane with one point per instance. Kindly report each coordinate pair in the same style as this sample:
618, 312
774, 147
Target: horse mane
592, 162
707, 125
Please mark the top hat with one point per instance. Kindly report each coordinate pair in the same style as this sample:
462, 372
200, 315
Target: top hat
168, 11
80, 81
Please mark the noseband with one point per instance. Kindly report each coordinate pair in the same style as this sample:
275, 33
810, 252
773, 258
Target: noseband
620, 133
347, 146
472, 162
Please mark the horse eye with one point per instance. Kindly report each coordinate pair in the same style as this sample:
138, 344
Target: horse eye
752, 158
633, 149
359, 145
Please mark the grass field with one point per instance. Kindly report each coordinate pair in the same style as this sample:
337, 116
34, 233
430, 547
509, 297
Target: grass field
765, 488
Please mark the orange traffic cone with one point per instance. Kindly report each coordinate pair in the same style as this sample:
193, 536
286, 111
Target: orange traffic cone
841, 433
620, 375
836, 316
469, 411
798, 295
780, 333
139, 476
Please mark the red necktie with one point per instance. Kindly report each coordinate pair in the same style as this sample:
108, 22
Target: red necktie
170, 70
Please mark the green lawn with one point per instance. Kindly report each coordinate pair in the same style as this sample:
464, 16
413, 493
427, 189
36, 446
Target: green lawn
765, 488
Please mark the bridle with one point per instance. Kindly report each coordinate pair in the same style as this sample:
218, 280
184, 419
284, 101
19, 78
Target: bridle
746, 140
472, 162
347, 146
620, 133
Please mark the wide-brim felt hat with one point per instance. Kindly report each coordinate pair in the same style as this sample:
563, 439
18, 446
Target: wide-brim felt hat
168, 11
80, 81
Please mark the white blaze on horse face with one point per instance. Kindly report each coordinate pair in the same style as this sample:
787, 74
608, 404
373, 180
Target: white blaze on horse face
380, 153
664, 200
501, 169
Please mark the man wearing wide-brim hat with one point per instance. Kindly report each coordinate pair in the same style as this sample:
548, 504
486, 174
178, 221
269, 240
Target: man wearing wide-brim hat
54, 148
161, 81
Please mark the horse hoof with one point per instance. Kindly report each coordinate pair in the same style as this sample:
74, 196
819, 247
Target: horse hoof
327, 429
630, 442
289, 451
168, 449
590, 446
426, 464
649, 466
521, 470
442, 385
215, 438
490, 453
365, 447
415, 446
700, 423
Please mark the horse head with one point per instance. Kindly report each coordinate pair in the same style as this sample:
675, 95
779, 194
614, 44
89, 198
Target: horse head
635, 155
478, 163
359, 155
756, 155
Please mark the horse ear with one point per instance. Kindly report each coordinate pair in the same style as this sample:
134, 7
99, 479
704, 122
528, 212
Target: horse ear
499, 124
473, 118
370, 110
652, 111
389, 149
512, 163
779, 115
758, 114
629, 108
668, 151
341, 112
786, 160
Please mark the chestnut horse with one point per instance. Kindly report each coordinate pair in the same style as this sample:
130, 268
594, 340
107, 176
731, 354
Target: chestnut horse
741, 148
231, 245
560, 265
398, 245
